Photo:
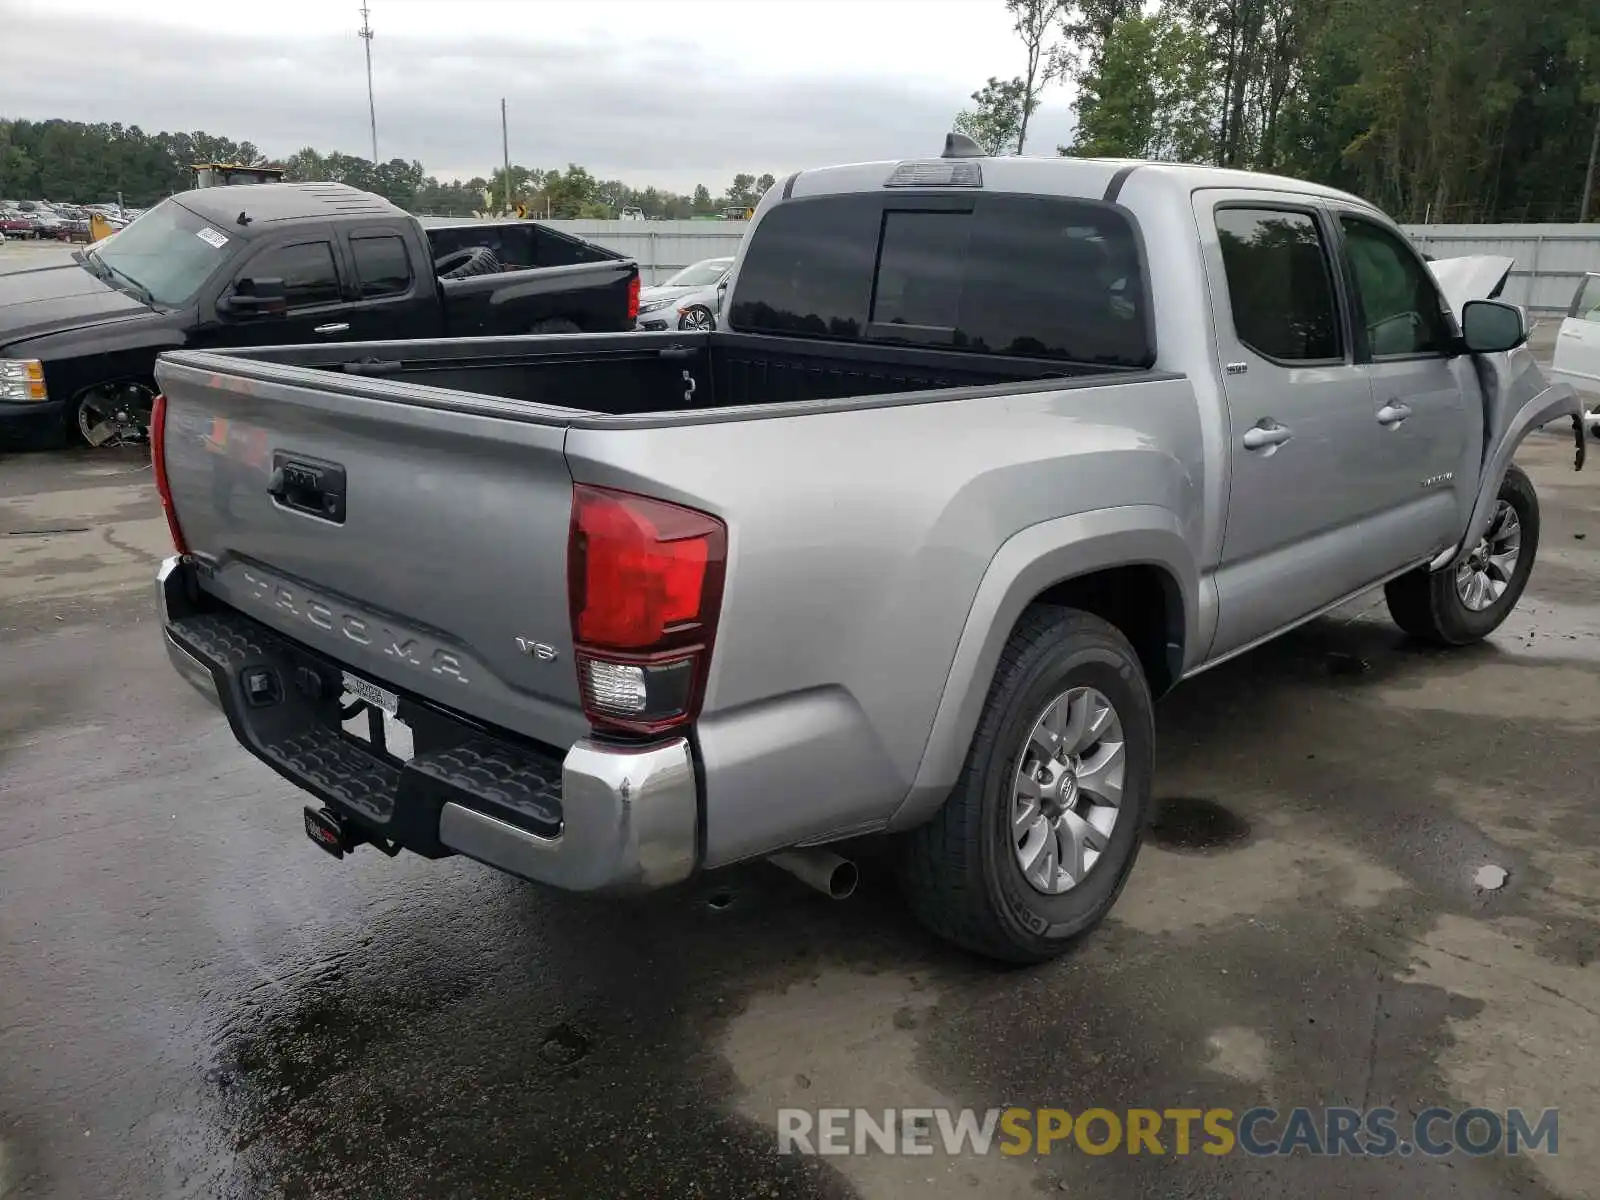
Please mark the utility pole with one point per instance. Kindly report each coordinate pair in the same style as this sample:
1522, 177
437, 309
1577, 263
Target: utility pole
1588, 179
505, 152
372, 112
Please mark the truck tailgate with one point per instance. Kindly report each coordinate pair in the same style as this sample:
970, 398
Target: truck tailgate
415, 544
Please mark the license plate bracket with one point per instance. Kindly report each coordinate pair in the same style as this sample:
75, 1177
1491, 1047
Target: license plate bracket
380, 726
378, 697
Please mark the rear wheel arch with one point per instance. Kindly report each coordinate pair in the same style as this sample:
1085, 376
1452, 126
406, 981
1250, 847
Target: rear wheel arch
1130, 566
1144, 601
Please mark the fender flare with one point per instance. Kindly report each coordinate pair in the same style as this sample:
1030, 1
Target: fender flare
1557, 400
1027, 564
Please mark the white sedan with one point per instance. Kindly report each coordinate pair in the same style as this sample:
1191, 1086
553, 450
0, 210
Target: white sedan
691, 299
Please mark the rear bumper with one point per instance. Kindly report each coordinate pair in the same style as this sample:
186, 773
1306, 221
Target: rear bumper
603, 818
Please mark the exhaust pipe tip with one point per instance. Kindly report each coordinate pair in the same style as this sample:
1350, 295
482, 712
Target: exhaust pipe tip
823, 870
842, 882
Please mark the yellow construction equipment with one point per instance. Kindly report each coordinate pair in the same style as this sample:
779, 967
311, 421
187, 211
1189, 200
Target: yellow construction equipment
215, 174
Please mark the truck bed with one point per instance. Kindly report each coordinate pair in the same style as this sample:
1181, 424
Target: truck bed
518, 243
650, 374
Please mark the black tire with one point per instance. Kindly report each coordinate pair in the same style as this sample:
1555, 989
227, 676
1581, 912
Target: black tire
555, 325
960, 872
1428, 605
132, 396
464, 264
696, 318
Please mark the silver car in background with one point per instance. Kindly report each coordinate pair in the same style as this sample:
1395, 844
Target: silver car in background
691, 299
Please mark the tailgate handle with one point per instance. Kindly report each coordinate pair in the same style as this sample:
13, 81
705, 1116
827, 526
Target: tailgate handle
308, 485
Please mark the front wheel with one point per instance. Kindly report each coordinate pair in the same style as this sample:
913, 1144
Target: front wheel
112, 414
1035, 842
1466, 603
697, 320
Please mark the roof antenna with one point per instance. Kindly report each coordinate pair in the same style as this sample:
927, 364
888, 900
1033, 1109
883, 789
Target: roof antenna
244, 219
959, 145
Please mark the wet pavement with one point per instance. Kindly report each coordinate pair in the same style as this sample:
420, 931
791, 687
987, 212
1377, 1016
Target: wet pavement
195, 1003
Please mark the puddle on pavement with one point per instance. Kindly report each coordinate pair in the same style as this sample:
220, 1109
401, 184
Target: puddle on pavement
1194, 824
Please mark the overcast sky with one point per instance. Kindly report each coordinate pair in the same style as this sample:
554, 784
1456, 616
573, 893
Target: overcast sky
669, 92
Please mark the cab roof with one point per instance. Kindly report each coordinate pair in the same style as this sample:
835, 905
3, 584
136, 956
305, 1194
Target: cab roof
275, 203
1086, 178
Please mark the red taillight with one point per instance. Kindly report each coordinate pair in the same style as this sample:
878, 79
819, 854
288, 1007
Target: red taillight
158, 466
644, 581
633, 296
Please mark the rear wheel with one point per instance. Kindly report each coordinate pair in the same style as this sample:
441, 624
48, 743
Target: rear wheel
1468, 602
1035, 842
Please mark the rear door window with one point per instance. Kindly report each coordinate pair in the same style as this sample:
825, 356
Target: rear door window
1014, 275
382, 266
1280, 284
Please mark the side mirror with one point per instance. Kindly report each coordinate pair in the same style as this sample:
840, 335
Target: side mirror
1492, 326
255, 298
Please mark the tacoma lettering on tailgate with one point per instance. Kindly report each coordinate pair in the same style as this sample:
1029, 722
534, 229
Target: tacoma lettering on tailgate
404, 648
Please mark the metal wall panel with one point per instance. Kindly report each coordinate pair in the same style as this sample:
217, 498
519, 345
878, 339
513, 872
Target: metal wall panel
1550, 259
661, 247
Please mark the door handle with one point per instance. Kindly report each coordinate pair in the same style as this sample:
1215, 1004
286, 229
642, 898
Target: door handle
339, 327
1267, 433
1392, 413
1569, 333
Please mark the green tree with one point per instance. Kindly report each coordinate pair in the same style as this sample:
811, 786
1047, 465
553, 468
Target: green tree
741, 192
1150, 94
995, 120
1040, 24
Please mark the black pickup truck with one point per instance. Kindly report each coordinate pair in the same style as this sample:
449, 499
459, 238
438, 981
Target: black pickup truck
273, 264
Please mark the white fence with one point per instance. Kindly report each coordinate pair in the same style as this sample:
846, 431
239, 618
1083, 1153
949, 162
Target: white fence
660, 247
1550, 259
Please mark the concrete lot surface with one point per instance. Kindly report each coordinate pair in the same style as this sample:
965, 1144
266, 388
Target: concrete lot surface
194, 1002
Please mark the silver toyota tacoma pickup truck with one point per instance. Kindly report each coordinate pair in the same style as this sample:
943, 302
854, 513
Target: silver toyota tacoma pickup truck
990, 453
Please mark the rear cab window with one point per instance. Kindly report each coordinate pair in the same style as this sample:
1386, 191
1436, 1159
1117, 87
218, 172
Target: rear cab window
1026, 276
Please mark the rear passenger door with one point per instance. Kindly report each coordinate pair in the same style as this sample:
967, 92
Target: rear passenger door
384, 299
1305, 490
1429, 442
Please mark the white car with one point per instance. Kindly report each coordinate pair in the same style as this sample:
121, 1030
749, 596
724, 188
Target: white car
691, 299
1577, 354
